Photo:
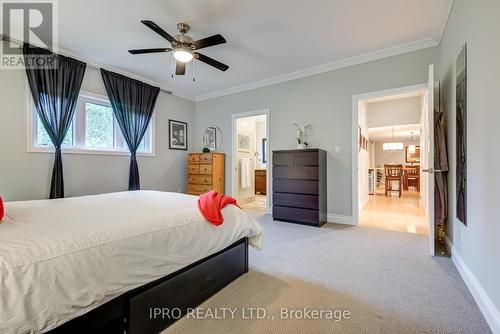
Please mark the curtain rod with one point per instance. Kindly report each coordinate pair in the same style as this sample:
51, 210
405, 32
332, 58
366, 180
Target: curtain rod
95, 66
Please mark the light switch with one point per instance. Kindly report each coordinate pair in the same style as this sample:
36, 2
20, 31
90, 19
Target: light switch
337, 149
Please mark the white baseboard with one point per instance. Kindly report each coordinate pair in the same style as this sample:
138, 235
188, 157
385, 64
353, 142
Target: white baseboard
330, 218
448, 244
339, 219
490, 312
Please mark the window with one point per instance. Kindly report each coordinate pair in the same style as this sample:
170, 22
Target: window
264, 150
44, 139
99, 126
94, 130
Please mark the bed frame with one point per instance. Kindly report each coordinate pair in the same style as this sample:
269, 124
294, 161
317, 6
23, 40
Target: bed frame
181, 290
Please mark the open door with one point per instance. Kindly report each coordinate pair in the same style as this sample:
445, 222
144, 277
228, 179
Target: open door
428, 166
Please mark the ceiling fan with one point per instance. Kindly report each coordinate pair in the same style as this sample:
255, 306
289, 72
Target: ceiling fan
184, 47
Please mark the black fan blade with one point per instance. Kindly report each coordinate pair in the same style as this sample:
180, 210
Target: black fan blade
180, 68
159, 31
212, 62
209, 41
141, 51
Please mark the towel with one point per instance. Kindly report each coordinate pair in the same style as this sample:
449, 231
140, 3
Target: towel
245, 172
210, 205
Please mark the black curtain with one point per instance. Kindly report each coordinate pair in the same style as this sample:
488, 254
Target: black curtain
55, 83
133, 103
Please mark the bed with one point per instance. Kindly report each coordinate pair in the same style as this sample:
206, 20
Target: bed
112, 257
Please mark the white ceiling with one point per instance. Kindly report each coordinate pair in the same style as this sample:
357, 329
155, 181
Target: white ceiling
275, 40
401, 133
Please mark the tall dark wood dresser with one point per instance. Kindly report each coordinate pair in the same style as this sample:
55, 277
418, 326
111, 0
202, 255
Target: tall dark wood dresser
299, 186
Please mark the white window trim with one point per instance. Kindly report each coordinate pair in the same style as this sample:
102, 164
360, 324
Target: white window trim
31, 129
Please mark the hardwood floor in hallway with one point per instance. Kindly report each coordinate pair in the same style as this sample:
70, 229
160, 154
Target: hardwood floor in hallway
402, 214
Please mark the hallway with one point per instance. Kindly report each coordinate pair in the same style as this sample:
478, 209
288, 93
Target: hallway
402, 214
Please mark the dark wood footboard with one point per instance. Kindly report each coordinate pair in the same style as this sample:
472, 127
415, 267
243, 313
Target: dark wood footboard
156, 305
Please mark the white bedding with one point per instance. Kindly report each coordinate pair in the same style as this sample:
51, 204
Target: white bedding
62, 258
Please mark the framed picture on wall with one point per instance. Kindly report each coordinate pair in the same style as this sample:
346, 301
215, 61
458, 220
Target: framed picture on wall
243, 143
177, 135
461, 135
412, 153
210, 138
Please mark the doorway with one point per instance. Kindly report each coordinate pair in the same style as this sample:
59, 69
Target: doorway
393, 197
250, 179
393, 152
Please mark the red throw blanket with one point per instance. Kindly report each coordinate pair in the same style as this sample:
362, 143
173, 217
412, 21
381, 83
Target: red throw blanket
2, 210
210, 205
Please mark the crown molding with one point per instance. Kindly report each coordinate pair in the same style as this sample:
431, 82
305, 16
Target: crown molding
343, 63
443, 14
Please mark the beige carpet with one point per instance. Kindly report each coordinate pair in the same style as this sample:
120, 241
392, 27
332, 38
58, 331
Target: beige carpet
383, 278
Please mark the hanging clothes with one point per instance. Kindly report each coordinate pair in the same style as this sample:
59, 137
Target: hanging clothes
440, 177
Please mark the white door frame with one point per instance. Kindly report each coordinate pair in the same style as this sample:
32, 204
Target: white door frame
234, 162
429, 153
355, 101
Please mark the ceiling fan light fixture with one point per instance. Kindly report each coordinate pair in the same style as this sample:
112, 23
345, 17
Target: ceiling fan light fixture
184, 49
183, 55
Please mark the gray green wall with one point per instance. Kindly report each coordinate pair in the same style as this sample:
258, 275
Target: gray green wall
478, 24
325, 101
25, 176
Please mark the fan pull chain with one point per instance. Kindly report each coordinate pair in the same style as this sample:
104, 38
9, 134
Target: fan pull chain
194, 71
172, 67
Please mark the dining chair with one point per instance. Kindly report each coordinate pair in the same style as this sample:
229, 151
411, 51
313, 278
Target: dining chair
412, 177
393, 174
